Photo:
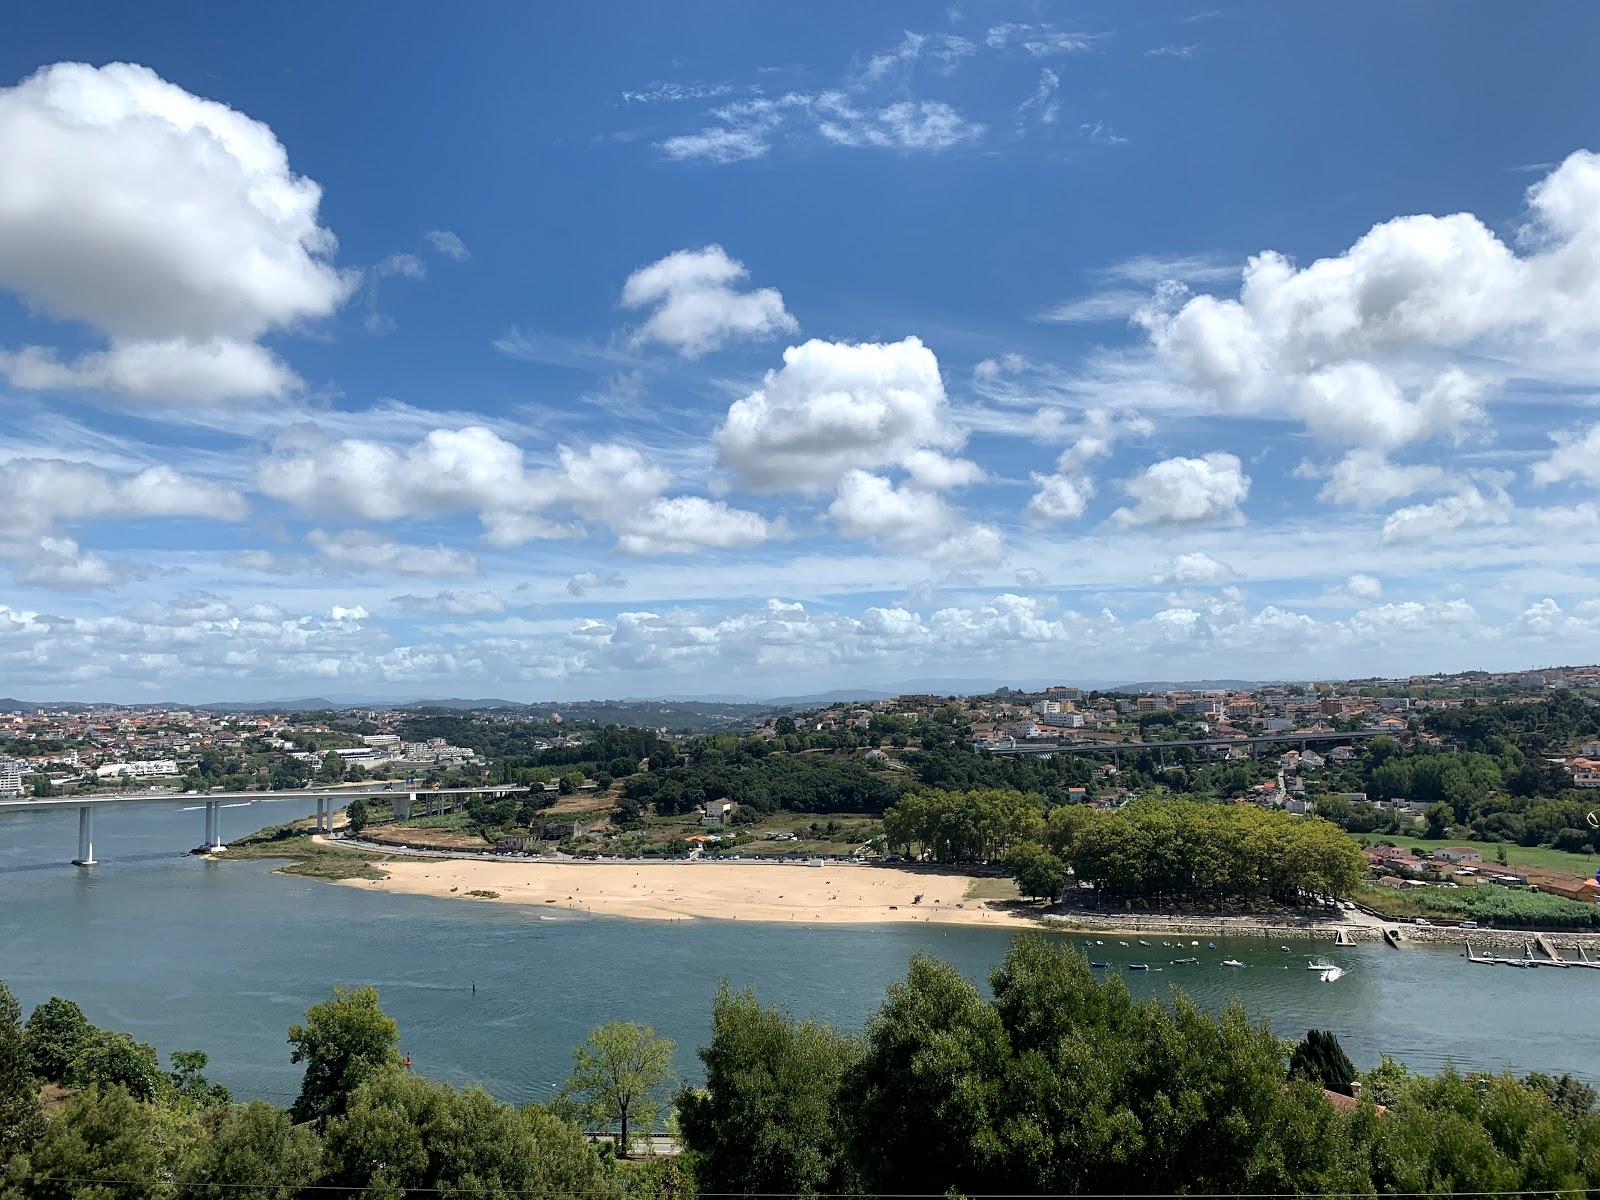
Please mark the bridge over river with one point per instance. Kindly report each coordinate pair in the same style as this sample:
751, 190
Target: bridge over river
1305, 739
404, 798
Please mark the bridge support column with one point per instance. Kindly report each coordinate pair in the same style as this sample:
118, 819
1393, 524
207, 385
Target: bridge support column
85, 837
402, 806
214, 826
322, 814
1116, 759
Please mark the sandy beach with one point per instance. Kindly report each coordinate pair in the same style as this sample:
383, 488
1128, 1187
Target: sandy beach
832, 894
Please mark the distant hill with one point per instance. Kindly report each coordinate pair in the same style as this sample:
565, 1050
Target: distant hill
1189, 685
325, 703
840, 696
307, 704
454, 702
8, 704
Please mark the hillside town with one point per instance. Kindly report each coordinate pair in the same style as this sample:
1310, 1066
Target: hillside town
71, 748
88, 748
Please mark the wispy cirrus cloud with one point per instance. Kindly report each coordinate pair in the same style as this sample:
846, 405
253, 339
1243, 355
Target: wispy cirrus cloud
875, 105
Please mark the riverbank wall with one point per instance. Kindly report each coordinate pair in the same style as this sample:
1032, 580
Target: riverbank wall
1266, 928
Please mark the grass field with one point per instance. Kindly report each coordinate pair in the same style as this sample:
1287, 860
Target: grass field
1499, 907
993, 888
1582, 865
850, 831
307, 857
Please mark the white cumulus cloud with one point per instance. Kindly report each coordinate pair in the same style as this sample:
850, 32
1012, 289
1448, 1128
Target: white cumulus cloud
1194, 567
1351, 344
697, 307
834, 407
171, 223
1186, 491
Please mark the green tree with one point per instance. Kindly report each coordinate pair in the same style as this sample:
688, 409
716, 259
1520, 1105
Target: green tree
1439, 817
570, 782
1038, 873
1482, 1134
1384, 1083
1571, 1096
250, 1152
401, 1133
768, 1119
356, 814
923, 1102
1320, 1059
618, 1073
21, 1119
344, 1041
101, 1134
114, 1059
188, 1081
663, 1178
332, 768
56, 1032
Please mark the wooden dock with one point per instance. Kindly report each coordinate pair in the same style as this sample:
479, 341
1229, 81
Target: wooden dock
1543, 943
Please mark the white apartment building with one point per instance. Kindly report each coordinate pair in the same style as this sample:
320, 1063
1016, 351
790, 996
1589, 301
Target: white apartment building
145, 768
11, 776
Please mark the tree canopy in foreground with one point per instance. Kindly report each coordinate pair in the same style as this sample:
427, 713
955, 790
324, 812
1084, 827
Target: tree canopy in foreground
1053, 1082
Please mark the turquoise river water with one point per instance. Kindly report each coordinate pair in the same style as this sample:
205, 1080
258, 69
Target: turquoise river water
222, 956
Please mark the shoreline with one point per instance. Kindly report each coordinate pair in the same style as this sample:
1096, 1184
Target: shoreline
776, 893
856, 894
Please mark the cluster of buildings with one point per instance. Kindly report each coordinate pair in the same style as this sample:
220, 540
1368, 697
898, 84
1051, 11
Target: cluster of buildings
83, 746
1066, 714
1399, 867
386, 749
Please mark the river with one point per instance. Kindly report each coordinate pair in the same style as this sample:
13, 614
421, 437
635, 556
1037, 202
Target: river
186, 953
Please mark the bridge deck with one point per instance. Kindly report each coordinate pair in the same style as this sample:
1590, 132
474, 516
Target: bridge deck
1271, 739
367, 793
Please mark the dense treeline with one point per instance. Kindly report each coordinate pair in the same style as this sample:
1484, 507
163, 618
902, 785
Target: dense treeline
362, 1124
962, 827
1154, 851
1496, 785
1546, 725
1061, 1084
958, 767
1180, 851
764, 782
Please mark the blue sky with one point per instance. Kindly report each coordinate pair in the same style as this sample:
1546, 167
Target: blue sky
651, 350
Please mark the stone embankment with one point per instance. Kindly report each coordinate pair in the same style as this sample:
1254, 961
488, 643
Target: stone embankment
1362, 928
1209, 927
1500, 939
